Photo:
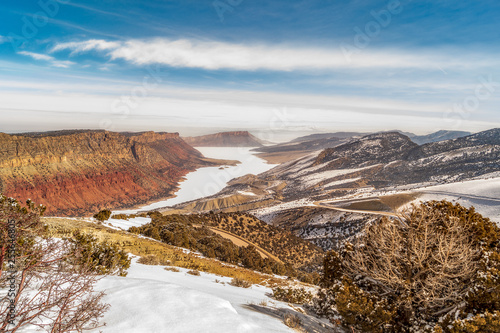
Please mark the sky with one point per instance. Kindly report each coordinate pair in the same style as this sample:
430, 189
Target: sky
278, 68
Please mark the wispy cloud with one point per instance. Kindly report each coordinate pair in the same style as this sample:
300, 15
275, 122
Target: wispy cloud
95, 10
90, 45
213, 55
37, 56
43, 57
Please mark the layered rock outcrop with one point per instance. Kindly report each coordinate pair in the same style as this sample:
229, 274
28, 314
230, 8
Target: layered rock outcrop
225, 139
77, 173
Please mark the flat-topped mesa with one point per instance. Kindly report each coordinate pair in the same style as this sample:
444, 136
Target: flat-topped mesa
151, 136
80, 172
225, 139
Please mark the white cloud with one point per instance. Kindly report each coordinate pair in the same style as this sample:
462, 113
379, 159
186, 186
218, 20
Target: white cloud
37, 56
62, 64
54, 62
179, 109
93, 44
3, 39
213, 55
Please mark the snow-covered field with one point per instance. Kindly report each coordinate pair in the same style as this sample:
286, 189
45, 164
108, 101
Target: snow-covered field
151, 299
266, 213
483, 194
315, 178
132, 222
208, 181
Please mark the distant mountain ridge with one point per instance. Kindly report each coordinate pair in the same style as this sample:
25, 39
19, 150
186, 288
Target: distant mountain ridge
369, 150
390, 159
319, 141
225, 139
79, 172
438, 136
339, 135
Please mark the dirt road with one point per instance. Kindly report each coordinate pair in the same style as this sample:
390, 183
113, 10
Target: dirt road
324, 204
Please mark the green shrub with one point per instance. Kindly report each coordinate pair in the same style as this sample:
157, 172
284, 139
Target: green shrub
178, 230
292, 295
100, 257
483, 323
103, 215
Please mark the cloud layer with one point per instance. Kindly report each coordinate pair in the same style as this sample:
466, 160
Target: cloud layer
213, 55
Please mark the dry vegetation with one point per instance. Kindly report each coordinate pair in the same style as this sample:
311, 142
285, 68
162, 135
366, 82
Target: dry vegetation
396, 201
434, 269
236, 282
155, 252
281, 243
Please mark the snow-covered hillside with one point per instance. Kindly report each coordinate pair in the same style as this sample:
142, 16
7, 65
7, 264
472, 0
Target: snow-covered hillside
151, 299
483, 194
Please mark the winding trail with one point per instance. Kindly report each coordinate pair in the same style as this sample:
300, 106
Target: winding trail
240, 241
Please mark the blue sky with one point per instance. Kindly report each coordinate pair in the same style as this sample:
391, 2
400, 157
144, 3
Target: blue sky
277, 68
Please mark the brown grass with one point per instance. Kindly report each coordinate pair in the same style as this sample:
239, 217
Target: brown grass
374, 205
236, 282
157, 252
172, 269
396, 201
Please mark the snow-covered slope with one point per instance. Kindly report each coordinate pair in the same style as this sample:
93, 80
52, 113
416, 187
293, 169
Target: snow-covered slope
151, 299
483, 194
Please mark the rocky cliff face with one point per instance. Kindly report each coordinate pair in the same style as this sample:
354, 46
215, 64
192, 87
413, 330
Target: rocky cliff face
225, 139
80, 172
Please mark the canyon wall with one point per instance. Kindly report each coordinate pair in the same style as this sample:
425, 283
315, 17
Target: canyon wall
77, 173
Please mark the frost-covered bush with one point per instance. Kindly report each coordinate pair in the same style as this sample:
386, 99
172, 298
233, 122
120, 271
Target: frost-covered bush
434, 269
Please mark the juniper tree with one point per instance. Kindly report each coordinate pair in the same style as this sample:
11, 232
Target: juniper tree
430, 269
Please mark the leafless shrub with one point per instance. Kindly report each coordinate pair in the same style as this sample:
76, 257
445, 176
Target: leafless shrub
421, 257
49, 292
292, 321
172, 269
149, 259
237, 282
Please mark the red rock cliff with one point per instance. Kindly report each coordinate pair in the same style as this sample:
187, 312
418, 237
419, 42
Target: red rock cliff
80, 172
